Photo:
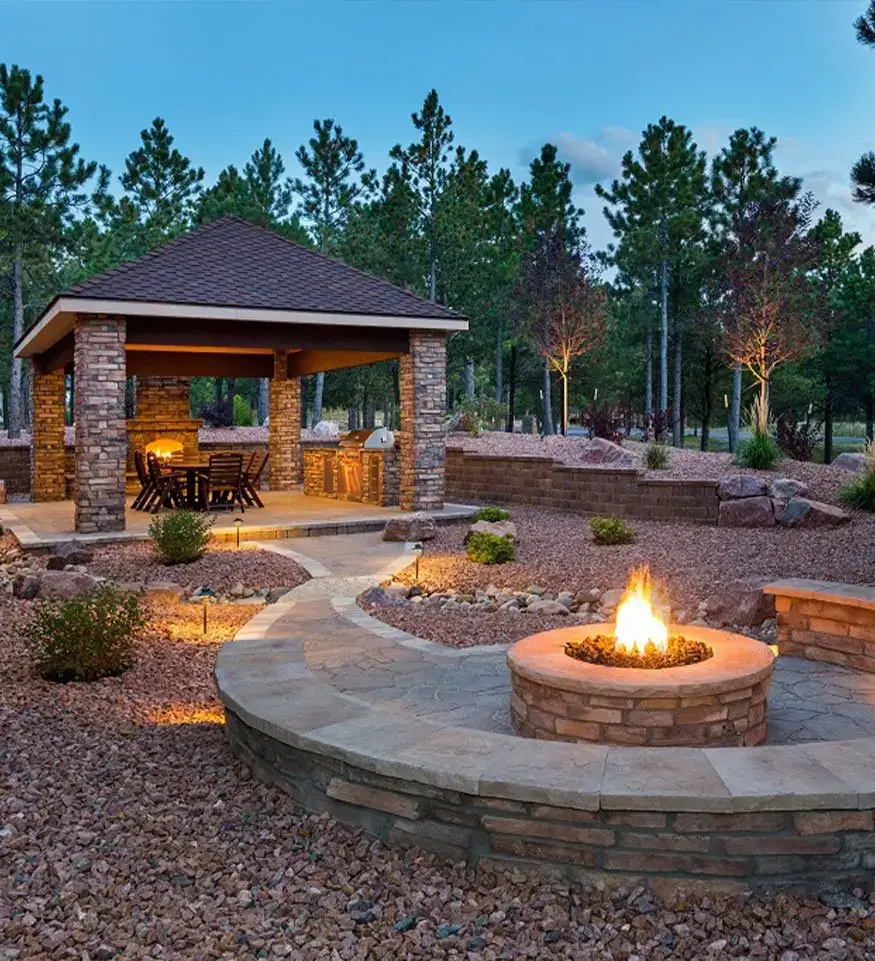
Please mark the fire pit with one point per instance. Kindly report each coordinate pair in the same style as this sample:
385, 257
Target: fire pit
641, 681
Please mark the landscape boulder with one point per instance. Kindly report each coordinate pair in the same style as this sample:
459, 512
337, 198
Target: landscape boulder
379, 597
52, 585
69, 553
801, 512
546, 607
857, 463
742, 603
784, 488
499, 528
747, 512
607, 453
25, 585
612, 598
738, 486
410, 527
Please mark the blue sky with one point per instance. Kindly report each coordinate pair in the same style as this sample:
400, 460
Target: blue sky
587, 75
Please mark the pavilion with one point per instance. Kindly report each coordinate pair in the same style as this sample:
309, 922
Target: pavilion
229, 299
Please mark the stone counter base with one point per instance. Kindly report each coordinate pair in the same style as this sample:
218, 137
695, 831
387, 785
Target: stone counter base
732, 719
668, 849
825, 621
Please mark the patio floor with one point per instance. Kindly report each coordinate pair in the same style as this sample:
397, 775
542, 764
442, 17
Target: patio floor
285, 514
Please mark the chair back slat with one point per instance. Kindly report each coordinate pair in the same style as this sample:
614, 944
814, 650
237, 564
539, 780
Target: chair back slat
255, 475
140, 467
225, 470
154, 468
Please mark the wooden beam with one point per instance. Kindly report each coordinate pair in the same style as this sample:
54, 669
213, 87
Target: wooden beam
314, 361
173, 363
171, 332
60, 354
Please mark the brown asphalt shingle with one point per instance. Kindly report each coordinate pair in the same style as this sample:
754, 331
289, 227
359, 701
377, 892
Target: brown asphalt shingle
232, 263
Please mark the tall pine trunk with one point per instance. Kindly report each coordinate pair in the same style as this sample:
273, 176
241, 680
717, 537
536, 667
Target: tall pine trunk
565, 402
663, 339
229, 401
707, 403
16, 398
870, 417
648, 378
499, 362
828, 422
548, 402
468, 378
318, 393
735, 409
511, 390
263, 399
677, 413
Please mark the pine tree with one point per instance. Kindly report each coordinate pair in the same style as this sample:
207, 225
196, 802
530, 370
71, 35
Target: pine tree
546, 209
162, 184
263, 174
333, 180
853, 338
863, 171
743, 173
42, 182
427, 160
834, 252
656, 210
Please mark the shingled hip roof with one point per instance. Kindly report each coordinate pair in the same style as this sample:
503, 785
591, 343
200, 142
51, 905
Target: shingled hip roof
232, 268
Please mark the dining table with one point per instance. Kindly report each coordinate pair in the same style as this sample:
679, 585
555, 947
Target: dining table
190, 471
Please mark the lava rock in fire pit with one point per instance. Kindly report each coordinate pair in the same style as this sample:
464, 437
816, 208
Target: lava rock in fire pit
602, 649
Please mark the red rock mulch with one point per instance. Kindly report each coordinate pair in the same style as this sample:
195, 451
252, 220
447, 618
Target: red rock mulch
128, 830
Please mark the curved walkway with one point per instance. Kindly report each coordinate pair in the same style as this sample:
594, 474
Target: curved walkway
358, 655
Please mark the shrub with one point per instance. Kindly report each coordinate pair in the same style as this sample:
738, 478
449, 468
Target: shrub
760, 452
85, 638
605, 422
860, 493
492, 514
656, 456
180, 537
797, 440
479, 413
243, 413
611, 530
486, 548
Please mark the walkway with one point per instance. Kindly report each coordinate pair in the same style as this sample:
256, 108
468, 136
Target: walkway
359, 656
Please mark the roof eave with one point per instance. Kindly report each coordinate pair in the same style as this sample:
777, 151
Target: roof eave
58, 319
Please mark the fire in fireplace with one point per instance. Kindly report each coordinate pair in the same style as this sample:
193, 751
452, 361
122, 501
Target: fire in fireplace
164, 448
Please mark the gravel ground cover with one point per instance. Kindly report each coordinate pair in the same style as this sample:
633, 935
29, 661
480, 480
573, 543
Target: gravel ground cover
556, 552
823, 481
128, 830
220, 568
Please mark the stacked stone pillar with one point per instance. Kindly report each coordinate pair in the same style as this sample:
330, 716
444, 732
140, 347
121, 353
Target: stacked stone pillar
101, 431
47, 458
285, 426
423, 428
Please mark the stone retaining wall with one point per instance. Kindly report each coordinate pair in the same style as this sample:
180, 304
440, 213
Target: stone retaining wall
825, 621
669, 848
542, 482
15, 469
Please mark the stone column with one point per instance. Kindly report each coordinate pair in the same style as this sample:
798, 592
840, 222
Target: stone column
285, 426
47, 462
423, 410
101, 434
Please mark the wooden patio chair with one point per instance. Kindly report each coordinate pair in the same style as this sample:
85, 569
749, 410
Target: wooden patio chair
143, 500
252, 478
222, 484
167, 490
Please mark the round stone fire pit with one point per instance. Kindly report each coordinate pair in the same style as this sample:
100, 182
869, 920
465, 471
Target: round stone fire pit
720, 701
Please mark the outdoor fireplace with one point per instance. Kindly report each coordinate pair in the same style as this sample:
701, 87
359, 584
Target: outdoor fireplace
641, 681
164, 447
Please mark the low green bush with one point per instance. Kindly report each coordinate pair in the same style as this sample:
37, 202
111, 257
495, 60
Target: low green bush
484, 548
760, 452
611, 530
860, 493
87, 637
244, 416
180, 537
656, 456
492, 514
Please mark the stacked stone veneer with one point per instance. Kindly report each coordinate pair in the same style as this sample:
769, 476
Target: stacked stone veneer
541, 482
825, 621
731, 718
285, 426
101, 429
665, 843
378, 470
48, 462
163, 410
423, 428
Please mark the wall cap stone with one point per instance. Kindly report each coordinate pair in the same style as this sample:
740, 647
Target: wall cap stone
832, 592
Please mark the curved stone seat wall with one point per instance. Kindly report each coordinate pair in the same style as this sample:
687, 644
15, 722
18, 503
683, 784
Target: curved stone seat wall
826, 621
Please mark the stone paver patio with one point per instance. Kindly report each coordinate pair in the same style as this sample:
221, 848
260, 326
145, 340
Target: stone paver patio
360, 656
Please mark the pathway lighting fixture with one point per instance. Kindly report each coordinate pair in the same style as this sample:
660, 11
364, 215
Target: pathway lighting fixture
238, 522
206, 603
418, 550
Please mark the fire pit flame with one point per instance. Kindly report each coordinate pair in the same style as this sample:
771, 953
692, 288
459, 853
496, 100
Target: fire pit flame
637, 623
